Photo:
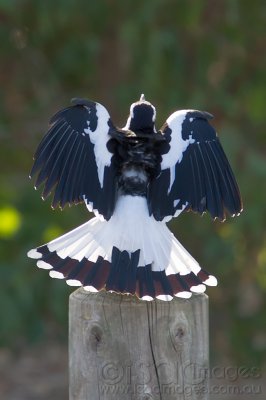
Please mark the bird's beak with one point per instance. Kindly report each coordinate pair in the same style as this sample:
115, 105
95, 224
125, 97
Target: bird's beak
142, 97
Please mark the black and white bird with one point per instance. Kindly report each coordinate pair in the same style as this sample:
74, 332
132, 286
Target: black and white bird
134, 179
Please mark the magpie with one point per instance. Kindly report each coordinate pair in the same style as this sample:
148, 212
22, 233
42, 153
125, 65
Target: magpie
134, 179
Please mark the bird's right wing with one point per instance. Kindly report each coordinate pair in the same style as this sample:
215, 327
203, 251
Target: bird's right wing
73, 158
195, 173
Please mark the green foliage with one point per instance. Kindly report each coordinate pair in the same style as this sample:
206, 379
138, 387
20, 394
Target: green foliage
182, 54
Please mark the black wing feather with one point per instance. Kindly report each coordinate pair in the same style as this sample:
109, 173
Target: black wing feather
55, 158
218, 200
65, 160
230, 188
72, 173
195, 173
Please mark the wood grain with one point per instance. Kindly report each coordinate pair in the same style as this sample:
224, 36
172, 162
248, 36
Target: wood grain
122, 348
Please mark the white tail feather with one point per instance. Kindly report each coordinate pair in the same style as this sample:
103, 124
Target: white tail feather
131, 228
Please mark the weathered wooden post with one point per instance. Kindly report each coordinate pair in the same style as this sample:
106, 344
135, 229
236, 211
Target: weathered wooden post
124, 348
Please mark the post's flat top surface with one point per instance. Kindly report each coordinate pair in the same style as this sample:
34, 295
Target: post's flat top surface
113, 297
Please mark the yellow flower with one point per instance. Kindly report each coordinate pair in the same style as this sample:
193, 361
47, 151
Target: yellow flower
10, 221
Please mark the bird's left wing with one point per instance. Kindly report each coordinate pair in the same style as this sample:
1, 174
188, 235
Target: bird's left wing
195, 173
74, 160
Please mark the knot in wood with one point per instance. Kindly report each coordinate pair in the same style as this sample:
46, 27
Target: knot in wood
179, 335
180, 332
94, 336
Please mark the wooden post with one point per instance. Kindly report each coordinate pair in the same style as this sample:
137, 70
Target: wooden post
122, 348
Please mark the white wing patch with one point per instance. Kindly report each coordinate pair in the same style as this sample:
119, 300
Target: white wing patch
177, 145
172, 178
100, 138
177, 212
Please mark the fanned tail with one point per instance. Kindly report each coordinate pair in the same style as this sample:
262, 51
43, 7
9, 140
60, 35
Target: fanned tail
131, 253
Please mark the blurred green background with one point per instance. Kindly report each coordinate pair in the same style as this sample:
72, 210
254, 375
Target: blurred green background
208, 55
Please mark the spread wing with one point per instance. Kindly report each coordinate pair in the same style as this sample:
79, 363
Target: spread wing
74, 161
195, 173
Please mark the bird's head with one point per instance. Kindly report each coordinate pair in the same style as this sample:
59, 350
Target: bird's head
141, 117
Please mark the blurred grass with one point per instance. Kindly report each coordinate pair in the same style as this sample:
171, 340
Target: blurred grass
181, 54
